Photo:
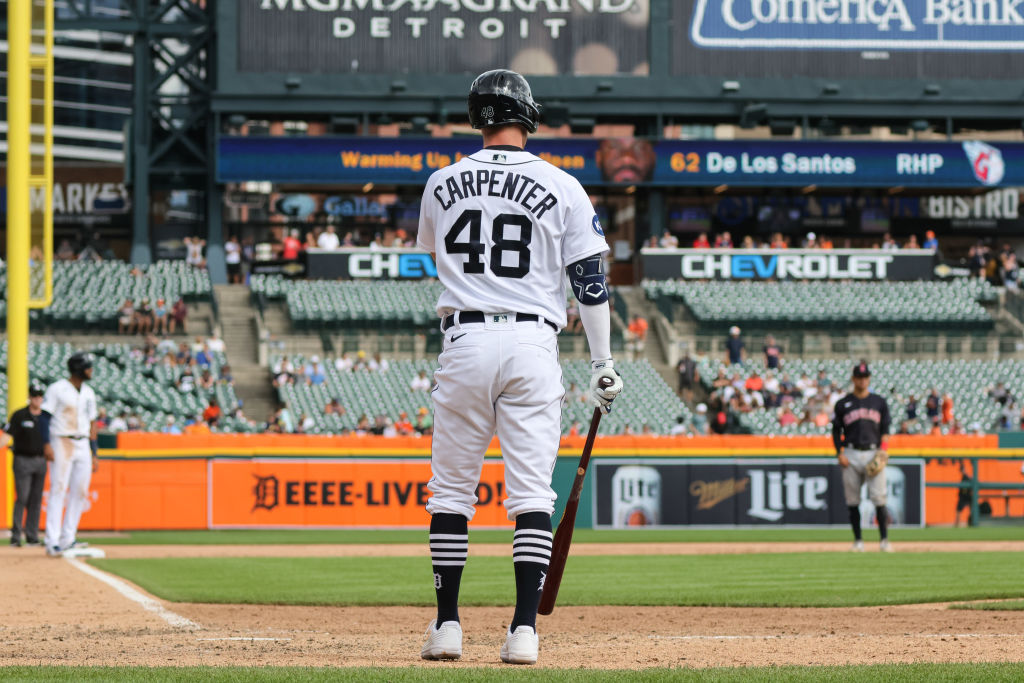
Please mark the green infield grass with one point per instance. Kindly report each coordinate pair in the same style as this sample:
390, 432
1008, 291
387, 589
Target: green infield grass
768, 580
882, 673
345, 536
1002, 605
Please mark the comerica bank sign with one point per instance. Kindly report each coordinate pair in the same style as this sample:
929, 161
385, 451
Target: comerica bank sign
860, 24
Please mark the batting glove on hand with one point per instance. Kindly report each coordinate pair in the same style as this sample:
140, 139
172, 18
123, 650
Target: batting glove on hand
605, 384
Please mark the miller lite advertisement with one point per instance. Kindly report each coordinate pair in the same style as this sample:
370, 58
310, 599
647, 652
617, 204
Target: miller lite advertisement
746, 492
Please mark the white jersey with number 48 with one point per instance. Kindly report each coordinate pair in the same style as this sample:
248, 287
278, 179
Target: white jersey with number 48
504, 225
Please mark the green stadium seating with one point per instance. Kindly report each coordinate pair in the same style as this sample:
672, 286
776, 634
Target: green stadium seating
87, 294
647, 398
938, 306
122, 383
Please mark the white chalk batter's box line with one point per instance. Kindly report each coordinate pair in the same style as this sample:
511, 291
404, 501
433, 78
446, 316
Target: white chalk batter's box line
808, 636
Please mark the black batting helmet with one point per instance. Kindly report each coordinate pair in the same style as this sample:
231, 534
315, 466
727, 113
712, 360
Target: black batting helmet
501, 97
79, 362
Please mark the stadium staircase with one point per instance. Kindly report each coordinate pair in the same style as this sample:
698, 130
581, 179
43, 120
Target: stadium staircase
239, 331
658, 350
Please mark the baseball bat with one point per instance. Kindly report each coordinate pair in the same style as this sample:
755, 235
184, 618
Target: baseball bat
563, 536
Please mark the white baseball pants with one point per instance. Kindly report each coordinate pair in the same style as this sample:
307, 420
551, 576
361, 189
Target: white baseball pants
497, 376
70, 474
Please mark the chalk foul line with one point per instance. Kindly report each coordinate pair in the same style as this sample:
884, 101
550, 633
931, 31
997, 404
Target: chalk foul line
147, 603
820, 636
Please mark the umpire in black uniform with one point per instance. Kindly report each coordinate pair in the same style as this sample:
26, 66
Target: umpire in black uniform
860, 429
29, 428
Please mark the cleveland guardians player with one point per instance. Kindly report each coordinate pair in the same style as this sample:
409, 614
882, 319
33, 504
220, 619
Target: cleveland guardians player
504, 227
860, 431
72, 406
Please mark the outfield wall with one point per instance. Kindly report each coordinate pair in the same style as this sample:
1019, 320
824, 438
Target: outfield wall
155, 481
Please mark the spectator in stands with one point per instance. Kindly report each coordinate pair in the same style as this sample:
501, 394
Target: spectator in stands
348, 240
771, 390
305, 425
976, 259
811, 241
929, 240
932, 405
328, 239
315, 372
679, 428
724, 241
291, 246
285, 418
888, 243
403, 426
754, 383
284, 372
825, 242
722, 380
912, 408
1000, 394
652, 242
380, 425
778, 242
233, 259
362, 425
905, 426
126, 317
195, 426
202, 356
311, 239
734, 346
700, 420
378, 242
179, 312
206, 380
668, 241
786, 417
378, 364
702, 241
143, 317
64, 252
134, 423
807, 387
772, 353
248, 257
689, 376
215, 343
194, 252
627, 430
186, 382
947, 409
637, 335
748, 243
719, 420
911, 243
423, 424
936, 428
119, 423
160, 316
334, 407
647, 430
343, 363
170, 427
299, 377
420, 382
360, 364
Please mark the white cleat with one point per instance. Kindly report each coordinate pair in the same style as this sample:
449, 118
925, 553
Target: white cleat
884, 546
444, 642
54, 551
857, 547
520, 647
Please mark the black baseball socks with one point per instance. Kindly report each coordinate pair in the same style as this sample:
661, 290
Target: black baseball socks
531, 554
882, 514
855, 521
449, 546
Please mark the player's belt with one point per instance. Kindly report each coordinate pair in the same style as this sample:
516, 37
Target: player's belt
73, 437
478, 317
863, 447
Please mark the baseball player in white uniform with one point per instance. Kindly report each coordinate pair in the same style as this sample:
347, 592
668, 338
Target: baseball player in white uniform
72, 406
504, 228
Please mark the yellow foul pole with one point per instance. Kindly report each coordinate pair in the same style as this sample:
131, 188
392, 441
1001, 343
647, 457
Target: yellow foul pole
19, 27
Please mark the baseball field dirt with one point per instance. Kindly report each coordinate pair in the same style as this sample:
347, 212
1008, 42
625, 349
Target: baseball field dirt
64, 616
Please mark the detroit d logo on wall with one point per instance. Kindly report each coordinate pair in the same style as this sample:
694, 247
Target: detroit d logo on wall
265, 492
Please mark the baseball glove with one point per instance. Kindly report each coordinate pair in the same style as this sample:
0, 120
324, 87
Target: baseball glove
877, 463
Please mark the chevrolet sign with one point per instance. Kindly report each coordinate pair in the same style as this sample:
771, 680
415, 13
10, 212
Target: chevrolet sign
860, 24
